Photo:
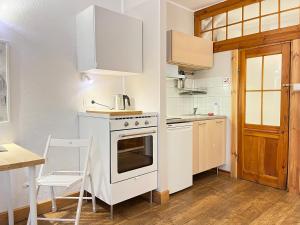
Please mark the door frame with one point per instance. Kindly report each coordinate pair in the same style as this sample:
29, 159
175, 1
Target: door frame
285, 48
294, 140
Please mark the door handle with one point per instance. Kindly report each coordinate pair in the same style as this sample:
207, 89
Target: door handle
296, 87
136, 134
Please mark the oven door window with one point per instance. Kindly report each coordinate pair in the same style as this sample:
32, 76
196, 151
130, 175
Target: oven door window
135, 153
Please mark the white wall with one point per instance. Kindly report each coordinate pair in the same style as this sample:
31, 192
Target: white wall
179, 19
148, 88
46, 90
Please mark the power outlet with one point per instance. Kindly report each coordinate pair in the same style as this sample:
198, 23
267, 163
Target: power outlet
226, 81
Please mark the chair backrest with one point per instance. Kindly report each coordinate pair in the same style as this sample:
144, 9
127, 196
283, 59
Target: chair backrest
68, 143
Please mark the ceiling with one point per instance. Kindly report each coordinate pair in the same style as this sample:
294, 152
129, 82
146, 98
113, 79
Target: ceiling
196, 4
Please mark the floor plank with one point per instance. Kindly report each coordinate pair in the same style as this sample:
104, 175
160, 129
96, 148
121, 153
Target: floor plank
212, 200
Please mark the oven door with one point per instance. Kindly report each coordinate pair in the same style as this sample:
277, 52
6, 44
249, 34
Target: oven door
133, 153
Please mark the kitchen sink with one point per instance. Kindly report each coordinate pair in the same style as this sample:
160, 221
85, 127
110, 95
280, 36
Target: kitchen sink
174, 118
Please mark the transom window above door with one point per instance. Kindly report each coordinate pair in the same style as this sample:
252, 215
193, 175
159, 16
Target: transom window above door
250, 19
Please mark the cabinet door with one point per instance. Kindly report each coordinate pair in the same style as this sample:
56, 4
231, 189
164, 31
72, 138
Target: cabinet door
217, 142
189, 51
109, 42
119, 45
195, 148
200, 147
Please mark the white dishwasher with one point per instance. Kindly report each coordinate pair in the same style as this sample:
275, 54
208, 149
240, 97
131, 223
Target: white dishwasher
180, 155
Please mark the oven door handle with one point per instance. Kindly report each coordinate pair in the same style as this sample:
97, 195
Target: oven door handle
137, 134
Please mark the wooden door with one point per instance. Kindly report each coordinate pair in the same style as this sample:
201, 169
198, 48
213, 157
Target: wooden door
263, 115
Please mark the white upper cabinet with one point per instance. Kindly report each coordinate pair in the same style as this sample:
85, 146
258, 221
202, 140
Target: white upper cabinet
189, 51
108, 42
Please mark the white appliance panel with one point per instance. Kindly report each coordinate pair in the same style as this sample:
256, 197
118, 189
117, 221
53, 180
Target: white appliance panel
133, 123
135, 186
180, 155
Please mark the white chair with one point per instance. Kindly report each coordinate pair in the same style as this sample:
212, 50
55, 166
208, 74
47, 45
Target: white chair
67, 179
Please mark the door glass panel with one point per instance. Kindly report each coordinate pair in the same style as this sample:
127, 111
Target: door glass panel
269, 22
253, 107
269, 6
272, 72
235, 30
235, 16
251, 11
254, 73
220, 20
207, 35
220, 34
289, 4
289, 18
271, 108
135, 153
206, 24
251, 27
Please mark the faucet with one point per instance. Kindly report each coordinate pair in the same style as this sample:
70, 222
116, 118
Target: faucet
195, 111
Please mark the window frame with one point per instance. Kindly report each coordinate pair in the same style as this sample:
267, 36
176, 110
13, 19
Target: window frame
238, 42
6, 43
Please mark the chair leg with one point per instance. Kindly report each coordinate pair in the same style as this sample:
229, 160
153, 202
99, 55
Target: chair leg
79, 204
54, 207
93, 194
37, 192
112, 212
85, 194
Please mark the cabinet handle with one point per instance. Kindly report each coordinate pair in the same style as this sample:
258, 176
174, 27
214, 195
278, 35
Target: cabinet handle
219, 122
200, 124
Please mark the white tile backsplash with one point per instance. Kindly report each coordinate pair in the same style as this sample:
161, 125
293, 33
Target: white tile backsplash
216, 93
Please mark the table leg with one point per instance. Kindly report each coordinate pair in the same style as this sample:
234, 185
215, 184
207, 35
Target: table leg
32, 196
10, 209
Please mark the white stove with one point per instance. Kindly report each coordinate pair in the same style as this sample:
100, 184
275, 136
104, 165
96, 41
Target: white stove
133, 146
124, 155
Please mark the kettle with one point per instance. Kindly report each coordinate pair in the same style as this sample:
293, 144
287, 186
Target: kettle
120, 101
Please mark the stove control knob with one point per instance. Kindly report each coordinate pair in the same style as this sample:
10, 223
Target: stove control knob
126, 124
137, 123
146, 122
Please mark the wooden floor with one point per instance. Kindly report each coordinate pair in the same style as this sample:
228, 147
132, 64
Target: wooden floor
212, 200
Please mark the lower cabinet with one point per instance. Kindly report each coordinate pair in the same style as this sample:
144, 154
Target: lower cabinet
209, 144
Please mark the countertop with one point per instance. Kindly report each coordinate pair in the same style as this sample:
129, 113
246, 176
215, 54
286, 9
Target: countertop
191, 118
18, 157
108, 116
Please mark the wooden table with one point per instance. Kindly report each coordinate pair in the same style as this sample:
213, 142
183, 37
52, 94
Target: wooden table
14, 158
